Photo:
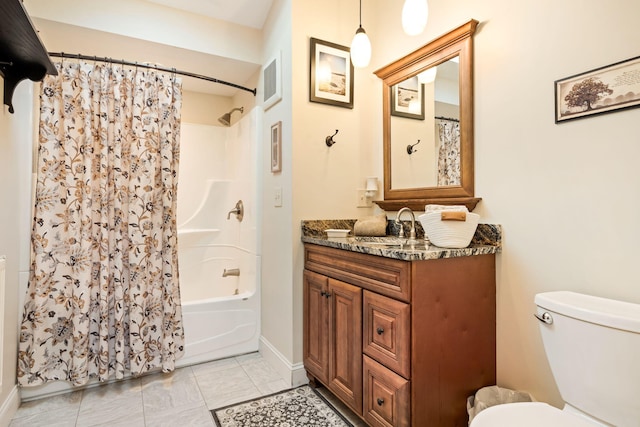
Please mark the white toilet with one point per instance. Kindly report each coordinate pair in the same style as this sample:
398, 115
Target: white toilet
593, 348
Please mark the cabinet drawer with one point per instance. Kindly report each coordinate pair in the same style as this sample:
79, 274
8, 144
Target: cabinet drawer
387, 332
386, 276
386, 396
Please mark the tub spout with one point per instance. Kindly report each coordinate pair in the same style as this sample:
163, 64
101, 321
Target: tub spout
231, 272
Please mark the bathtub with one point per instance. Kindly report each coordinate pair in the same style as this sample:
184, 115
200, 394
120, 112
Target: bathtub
221, 315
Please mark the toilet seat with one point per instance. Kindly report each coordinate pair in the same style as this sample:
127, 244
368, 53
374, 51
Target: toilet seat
527, 414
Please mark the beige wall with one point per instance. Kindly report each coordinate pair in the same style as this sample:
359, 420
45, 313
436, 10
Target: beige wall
563, 192
567, 195
204, 108
278, 300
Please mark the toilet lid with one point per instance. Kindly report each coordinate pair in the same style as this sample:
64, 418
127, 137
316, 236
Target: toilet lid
527, 414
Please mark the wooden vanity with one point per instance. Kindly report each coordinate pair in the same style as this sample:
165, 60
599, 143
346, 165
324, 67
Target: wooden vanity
401, 342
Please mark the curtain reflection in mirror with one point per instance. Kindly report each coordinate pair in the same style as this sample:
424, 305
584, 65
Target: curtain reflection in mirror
448, 152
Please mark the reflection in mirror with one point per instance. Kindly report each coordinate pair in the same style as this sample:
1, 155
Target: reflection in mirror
428, 97
432, 101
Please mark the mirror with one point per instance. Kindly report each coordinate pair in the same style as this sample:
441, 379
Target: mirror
428, 124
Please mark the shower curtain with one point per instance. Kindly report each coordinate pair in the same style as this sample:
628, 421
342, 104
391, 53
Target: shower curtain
103, 298
449, 152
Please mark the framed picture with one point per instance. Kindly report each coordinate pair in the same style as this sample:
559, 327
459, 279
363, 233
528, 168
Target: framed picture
331, 74
603, 90
276, 147
407, 99
272, 81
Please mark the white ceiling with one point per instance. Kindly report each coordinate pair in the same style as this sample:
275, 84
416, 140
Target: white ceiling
250, 13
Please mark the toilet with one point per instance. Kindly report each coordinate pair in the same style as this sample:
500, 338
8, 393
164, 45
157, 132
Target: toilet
593, 348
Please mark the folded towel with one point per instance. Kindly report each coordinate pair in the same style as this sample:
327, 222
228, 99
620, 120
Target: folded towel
371, 226
439, 208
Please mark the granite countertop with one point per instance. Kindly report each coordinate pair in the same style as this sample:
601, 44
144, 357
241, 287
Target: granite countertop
487, 240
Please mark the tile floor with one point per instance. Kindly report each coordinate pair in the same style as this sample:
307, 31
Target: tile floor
182, 398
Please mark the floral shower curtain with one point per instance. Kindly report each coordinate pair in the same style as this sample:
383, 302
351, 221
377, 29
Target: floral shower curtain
103, 297
449, 153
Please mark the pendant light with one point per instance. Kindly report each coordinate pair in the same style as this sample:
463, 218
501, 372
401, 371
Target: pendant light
360, 46
414, 16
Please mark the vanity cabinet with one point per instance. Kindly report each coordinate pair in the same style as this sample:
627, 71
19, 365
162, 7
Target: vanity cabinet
402, 343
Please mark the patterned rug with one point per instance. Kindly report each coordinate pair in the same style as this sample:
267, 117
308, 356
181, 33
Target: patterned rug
298, 407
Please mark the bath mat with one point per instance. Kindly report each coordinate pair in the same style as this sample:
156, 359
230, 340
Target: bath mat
296, 407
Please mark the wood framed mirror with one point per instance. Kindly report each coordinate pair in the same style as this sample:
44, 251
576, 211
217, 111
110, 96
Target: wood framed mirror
428, 124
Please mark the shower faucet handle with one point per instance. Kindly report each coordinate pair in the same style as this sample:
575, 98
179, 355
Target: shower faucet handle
238, 211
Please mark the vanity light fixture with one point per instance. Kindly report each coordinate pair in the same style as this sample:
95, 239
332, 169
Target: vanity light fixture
414, 16
360, 46
372, 187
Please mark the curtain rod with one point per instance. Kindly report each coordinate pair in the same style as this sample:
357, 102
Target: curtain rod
447, 118
154, 67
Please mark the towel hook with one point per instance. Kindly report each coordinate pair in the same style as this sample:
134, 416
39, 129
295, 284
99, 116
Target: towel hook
329, 140
410, 149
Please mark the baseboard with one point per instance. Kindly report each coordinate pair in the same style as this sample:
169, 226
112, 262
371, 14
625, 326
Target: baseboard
9, 407
293, 374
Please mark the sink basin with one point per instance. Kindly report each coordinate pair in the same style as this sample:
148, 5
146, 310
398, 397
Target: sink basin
381, 244
390, 242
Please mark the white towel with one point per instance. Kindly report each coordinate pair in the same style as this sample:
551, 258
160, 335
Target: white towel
439, 208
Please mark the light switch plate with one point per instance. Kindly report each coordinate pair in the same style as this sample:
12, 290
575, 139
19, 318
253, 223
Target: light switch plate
277, 197
363, 201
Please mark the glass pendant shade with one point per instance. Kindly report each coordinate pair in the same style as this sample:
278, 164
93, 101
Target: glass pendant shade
360, 49
414, 16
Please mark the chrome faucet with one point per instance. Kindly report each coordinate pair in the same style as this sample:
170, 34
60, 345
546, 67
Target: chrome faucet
412, 232
238, 211
231, 272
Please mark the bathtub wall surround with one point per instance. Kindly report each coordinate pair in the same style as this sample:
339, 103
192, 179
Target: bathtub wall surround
221, 315
221, 311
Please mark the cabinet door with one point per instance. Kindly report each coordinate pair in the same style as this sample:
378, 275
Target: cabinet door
316, 326
345, 343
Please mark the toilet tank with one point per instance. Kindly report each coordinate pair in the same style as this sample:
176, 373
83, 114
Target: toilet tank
593, 348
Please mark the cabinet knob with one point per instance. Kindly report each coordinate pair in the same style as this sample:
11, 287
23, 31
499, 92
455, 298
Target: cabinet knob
380, 330
323, 294
380, 401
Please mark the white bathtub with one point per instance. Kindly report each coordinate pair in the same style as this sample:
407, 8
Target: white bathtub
221, 315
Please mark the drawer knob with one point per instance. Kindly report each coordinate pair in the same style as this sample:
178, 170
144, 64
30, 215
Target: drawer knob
380, 330
380, 401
